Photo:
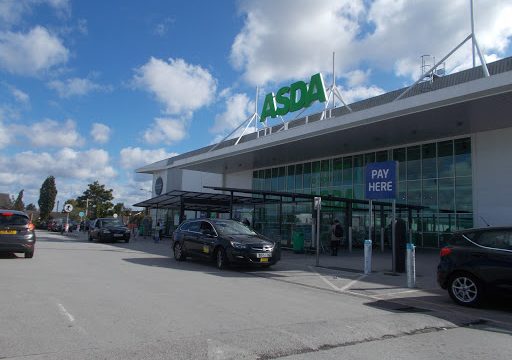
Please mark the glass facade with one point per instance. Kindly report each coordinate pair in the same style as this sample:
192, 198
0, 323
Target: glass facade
436, 176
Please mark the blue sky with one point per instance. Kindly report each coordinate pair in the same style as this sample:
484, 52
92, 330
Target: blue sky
91, 90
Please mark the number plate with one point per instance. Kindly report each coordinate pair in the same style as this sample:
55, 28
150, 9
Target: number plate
7, 232
263, 255
118, 235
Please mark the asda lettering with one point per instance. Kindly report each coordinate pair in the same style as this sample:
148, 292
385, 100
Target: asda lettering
297, 96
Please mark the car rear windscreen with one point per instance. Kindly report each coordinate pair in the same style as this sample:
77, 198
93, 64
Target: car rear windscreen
7, 219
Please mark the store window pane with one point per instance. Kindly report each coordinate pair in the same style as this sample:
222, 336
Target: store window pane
315, 175
268, 179
347, 191
413, 163
274, 182
358, 169
429, 166
402, 192
463, 157
446, 195
414, 192
255, 180
463, 194
307, 177
347, 171
281, 178
369, 158
445, 159
464, 221
290, 178
399, 155
381, 156
325, 175
298, 176
429, 194
359, 192
337, 171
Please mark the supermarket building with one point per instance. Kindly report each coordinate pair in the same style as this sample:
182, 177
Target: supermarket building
451, 137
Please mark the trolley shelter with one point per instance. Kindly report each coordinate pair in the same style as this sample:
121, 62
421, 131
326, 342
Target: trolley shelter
228, 202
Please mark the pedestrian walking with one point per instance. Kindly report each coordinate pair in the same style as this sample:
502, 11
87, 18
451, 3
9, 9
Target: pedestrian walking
336, 237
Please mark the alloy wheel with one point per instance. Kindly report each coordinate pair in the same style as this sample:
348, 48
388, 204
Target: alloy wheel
465, 289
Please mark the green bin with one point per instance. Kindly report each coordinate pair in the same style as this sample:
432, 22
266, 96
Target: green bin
298, 242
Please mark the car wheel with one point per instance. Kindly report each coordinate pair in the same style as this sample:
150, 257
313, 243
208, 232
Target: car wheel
179, 254
29, 254
222, 261
465, 289
127, 240
90, 237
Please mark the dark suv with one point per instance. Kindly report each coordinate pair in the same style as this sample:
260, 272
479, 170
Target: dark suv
108, 229
225, 241
17, 233
476, 263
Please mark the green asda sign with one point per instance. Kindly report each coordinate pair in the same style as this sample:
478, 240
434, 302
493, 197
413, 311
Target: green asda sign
295, 97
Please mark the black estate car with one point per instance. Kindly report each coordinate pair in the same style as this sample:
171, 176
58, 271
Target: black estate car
225, 241
17, 233
476, 263
108, 229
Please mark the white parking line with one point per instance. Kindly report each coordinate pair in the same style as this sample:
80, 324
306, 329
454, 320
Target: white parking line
342, 289
65, 312
350, 284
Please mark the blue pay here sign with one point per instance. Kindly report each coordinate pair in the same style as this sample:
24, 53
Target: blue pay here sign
380, 180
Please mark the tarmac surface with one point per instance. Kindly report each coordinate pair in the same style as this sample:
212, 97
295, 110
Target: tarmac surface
382, 288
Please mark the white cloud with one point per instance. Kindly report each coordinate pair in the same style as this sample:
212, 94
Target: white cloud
5, 138
292, 39
238, 109
182, 88
31, 53
446, 25
31, 168
50, 133
100, 133
357, 77
356, 93
19, 95
135, 157
165, 130
12, 11
162, 28
76, 87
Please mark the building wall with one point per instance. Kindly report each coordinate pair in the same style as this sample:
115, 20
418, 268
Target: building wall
241, 180
492, 174
195, 180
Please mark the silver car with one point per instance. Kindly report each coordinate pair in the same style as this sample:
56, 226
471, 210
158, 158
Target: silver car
17, 233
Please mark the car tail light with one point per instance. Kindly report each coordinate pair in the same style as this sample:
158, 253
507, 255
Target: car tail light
31, 226
7, 214
445, 251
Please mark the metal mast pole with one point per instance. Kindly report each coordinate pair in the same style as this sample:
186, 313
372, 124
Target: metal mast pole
472, 32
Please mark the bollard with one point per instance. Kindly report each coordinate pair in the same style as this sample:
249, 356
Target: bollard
411, 265
367, 257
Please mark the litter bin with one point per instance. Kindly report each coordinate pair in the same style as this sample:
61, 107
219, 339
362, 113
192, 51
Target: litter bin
298, 242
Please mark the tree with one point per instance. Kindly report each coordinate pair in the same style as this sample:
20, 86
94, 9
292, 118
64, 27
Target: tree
30, 207
99, 200
47, 196
18, 203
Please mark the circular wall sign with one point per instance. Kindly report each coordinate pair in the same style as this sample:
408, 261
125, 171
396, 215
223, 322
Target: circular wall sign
159, 185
